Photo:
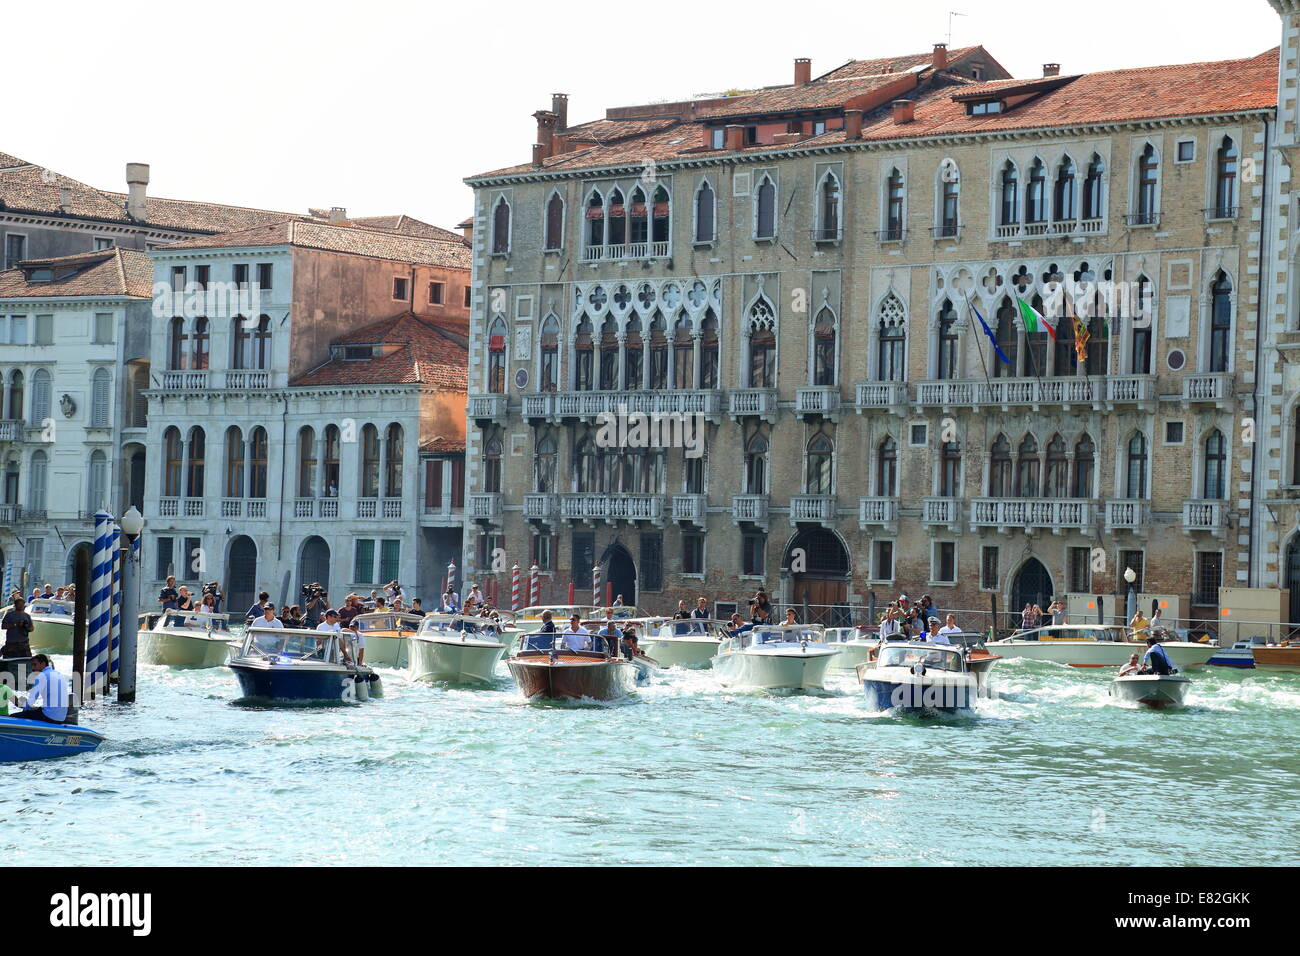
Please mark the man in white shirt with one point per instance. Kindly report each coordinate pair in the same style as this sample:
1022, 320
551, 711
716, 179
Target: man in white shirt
936, 636
475, 595
951, 627
576, 637
331, 622
268, 618
48, 698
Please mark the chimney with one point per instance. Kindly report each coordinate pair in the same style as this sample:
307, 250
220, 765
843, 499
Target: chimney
560, 107
338, 214
852, 124
1051, 69
734, 138
137, 179
802, 71
467, 229
904, 111
559, 144
940, 59
545, 132
539, 154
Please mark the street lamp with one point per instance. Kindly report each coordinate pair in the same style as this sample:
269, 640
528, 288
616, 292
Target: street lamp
132, 524
1130, 606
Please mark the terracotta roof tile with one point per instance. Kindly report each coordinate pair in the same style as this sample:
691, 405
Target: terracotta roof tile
820, 94
897, 64
442, 446
418, 350
107, 272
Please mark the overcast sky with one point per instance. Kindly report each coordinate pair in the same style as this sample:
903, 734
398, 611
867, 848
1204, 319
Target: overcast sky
383, 106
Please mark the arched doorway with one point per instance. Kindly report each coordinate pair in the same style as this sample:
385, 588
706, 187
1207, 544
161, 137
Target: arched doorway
1291, 581
314, 563
620, 572
241, 575
1032, 585
70, 575
818, 564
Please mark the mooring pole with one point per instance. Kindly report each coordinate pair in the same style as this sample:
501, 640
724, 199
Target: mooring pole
131, 524
80, 617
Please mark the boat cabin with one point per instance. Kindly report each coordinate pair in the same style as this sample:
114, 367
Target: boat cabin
931, 656
1074, 632
48, 607
772, 635
287, 645
193, 621
387, 622
479, 627
694, 627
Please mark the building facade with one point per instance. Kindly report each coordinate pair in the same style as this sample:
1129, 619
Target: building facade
806, 270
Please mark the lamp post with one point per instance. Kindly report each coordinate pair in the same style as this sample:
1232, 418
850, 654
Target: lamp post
132, 524
1130, 605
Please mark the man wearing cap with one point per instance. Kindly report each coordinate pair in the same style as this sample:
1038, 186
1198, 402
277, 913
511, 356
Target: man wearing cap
936, 636
576, 637
268, 618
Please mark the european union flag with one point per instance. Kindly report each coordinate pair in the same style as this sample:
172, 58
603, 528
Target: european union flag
987, 331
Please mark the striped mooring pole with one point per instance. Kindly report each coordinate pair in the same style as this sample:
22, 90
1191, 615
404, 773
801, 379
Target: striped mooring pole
115, 622
597, 584
535, 587
99, 610
514, 588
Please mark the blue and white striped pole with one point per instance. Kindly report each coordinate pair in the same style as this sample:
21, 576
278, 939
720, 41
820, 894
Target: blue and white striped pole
9, 581
115, 624
99, 608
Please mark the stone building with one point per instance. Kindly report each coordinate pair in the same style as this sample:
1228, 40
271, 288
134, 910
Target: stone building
803, 269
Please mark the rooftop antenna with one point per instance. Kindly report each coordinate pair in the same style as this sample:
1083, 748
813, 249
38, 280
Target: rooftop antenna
951, 14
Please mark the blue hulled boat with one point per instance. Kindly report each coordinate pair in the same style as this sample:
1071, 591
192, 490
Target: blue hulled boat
920, 677
38, 740
284, 664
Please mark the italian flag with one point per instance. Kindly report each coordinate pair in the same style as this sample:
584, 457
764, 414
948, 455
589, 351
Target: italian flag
1034, 320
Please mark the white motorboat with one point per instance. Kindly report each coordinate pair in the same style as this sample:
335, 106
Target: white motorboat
920, 677
51, 625
1160, 691
775, 657
854, 644
386, 634
456, 648
691, 642
1092, 645
184, 639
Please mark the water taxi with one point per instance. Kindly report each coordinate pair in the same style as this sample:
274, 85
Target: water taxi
289, 664
855, 645
1240, 655
1092, 645
688, 642
1157, 691
775, 657
530, 618
184, 639
51, 625
386, 634
456, 648
920, 677
579, 666
1268, 657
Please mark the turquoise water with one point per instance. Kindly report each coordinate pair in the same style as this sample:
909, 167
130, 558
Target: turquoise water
1048, 772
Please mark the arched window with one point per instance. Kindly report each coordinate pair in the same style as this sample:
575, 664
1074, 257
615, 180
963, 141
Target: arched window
1008, 341
709, 355
1135, 480
890, 340
765, 209
824, 365
97, 482
586, 469
1225, 180
595, 220
887, 468
1064, 193
1009, 213
583, 357
492, 465
1092, 189
1056, 476
1037, 345
821, 455
1214, 468
1036, 193
1084, 464
234, 462
393, 454
609, 355
1066, 360
100, 392
762, 344
946, 342
201, 342
949, 199
240, 342
705, 212
1000, 468
544, 474
638, 221
257, 458
1139, 326
496, 357
1295, 446
950, 470
37, 477
330, 474
173, 462
895, 193
42, 398
369, 461
658, 351
306, 462
15, 395
1148, 182
194, 463
549, 368
756, 464
1027, 468
1220, 323
659, 217
501, 227
554, 222
255, 338
617, 234
176, 345
828, 207
10, 490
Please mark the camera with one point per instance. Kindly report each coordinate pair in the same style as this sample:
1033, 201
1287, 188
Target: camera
212, 587
313, 590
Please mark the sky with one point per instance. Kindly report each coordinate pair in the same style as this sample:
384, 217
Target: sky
384, 107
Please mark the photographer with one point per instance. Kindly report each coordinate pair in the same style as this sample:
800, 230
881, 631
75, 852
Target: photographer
168, 596
317, 603
184, 600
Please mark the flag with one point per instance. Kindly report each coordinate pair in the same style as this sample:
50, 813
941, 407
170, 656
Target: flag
987, 331
1081, 337
1034, 320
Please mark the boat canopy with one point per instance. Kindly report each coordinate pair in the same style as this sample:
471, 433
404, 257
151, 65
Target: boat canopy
461, 624
50, 607
931, 655
788, 634
285, 645
1073, 632
195, 621
693, 627
391, 621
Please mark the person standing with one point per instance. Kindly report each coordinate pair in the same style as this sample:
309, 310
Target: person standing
268, 618
950, 627
168, 596
1140, 626
682, 614
17, 625
255, 611
701, 611
576, 637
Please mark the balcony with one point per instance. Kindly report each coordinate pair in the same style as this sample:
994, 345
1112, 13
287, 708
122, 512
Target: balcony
537, 405
626, 250
820, 401
1128, 514
886, 395
247, 379
327, 507
540, 506
11, 430
304, 508
1032, 514
191, 381
949, 230
596, 506
441, 512
760, 402
10, 514
1096, 392
749, 509
1208, 388
1204, 514
1059, 228
818, 509
232, 507
486, 409
690, 509
942, 513
826, 234
180, 507
257, 508
589, 405
1149, 218
483, 507
878, 513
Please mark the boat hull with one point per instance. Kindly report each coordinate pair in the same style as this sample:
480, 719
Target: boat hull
1157, 691
51, 636
453, 661
1276, 657
1240, 657
287, 682
37, 740
895, 688
1098, 653
572, 677
383, 650
173, 649
757, 670
680, 652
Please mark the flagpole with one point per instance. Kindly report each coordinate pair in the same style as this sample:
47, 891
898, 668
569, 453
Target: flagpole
970, 308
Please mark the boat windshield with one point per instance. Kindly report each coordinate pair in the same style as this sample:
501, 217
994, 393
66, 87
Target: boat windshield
291, 644
376, 622
194, 622
696, 627
786, 635
901, 655
486, 628
50, 607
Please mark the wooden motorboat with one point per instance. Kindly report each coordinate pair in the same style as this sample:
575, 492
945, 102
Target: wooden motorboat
574, 668
1158, 691
386, 635
1270, 657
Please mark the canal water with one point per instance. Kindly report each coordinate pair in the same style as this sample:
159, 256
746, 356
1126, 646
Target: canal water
1050, 771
